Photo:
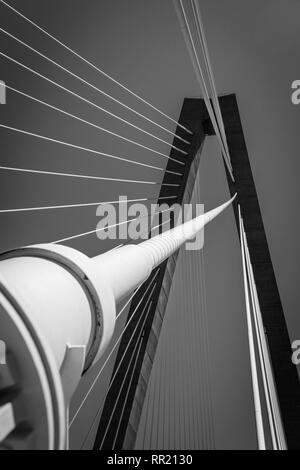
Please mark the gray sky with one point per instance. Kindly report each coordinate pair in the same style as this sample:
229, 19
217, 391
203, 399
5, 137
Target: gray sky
255, 54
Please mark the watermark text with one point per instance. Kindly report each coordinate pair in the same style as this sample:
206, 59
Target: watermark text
138, 221
2, 92
295, 97
2, 353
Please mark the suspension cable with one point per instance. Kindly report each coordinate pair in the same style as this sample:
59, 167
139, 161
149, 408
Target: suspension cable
275, 422
113, 349
254, 371
92, 151
73, 206
94, 87
147, 308
204, 89
74, 175
44, 103
94, 66
203, 85
116, 372
205, 53
104, 110
91, 232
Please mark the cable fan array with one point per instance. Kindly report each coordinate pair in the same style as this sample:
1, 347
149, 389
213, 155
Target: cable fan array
189, 16
182, 139
91, 151
260, 367
181, 149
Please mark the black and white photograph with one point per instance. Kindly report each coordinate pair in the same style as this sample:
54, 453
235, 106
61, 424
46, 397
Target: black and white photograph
149, 228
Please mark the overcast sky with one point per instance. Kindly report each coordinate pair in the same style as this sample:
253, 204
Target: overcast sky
255, 54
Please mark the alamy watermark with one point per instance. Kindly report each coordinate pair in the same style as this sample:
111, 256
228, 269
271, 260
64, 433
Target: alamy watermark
295, 97
2, 353
2, 92
138, 221
296, 353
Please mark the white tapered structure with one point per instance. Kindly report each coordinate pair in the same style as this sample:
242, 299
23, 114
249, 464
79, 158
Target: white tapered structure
57, 316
